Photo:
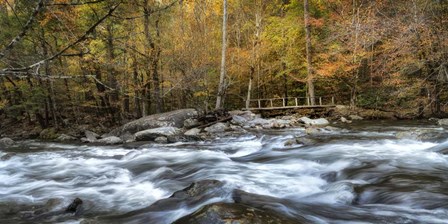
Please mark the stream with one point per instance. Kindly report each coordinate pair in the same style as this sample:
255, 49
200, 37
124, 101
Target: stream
360, 173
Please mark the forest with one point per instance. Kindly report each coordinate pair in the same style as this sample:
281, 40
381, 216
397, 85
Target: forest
82, 61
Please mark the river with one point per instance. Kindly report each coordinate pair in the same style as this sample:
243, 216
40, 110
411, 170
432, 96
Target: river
357, 174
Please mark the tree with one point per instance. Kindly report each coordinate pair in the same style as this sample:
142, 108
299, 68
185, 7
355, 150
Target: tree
310, 75
222, 74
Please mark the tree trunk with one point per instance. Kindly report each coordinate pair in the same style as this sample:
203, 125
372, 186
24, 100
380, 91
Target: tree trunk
222, 84
249, 88
310, 76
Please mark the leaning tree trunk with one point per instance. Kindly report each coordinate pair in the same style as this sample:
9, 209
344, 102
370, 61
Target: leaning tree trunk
310, 76
222, 87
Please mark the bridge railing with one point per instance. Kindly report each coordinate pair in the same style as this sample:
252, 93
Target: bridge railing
289, 102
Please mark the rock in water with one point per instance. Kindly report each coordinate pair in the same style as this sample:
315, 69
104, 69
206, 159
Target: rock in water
65, 138
193, 132
321, 122
169, 119
6, 142
152, 134
74, 206
161, 140
91, 136
229, 213
216, 128
112, 140
443, 122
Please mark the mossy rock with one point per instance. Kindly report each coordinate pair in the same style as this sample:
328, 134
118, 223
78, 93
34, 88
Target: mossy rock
48, 134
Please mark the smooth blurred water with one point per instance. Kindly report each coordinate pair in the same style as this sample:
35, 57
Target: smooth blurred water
376, 178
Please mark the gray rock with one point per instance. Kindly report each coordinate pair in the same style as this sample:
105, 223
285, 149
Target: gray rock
85, 140
7, 156
193, 132
191, 123
258, 122
91, 136
161, 140
65, 138
169, 119
248, 115
300, 140
127, 137
344, 120
184, 138
6, 142
238, 120
305, 141
281, 123
355, 117
216, 128
321, 122
111, 140
443, 122
227, 213
152, 134
422, 135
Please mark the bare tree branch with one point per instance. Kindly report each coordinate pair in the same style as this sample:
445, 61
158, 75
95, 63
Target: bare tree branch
39, 7
77, 3
25, 70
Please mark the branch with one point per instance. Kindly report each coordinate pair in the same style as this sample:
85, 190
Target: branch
76, 3
27, 26
61, 52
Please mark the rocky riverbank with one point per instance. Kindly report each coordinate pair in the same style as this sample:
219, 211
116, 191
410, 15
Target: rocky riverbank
189, 125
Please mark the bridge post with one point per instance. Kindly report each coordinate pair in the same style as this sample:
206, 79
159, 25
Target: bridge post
320, 101
332, 100
272, 105
297, 102
308, 101
259, 104
284, 104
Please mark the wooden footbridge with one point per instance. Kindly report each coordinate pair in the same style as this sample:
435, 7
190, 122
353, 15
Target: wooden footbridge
289, 103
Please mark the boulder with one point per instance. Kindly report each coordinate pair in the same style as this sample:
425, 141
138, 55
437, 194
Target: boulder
300, 140
184, 138
344, 120
74, 206
7, 156
111, 140
258, 122
91, 136
48, 134
169, 119
127, 137
422, 135
65, 138
6, 142
248, 115
355, 117
161, 140
193, 132
443, 122
152, 134
238, 120
191, 123
230, 213
216, 128
321, 122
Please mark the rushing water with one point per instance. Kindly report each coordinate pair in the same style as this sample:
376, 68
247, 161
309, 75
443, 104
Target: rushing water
360, 174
